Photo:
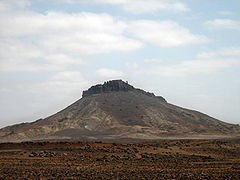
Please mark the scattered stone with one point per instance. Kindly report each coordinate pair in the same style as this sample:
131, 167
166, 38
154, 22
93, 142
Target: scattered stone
138, 156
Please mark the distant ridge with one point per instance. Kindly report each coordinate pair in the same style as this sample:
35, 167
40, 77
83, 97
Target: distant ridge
116, 110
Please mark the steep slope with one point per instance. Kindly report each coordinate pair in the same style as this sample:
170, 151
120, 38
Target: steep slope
118, 110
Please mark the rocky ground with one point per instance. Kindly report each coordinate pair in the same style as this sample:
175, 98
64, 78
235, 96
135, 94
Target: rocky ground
166, 159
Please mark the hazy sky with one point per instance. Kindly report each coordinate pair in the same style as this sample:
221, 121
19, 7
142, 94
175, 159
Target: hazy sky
188, 51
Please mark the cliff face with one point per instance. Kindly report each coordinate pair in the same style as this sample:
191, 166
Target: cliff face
109, 86
116, 86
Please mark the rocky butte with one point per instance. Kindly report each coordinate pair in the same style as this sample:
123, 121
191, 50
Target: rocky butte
116, 86
116, 111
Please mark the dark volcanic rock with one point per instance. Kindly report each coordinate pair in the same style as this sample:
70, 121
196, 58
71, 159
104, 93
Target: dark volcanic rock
114, 85
161, 98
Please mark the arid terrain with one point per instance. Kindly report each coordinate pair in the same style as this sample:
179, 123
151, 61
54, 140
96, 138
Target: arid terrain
77, 142
165, 159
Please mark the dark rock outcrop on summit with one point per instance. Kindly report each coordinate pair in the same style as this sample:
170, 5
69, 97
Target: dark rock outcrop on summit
116, 86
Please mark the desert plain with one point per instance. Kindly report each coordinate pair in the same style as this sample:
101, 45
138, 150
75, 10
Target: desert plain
163, 159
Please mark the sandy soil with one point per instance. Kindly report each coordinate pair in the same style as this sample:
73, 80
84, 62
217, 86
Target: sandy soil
166, 159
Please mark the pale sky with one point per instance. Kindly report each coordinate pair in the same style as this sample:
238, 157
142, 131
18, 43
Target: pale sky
187, 51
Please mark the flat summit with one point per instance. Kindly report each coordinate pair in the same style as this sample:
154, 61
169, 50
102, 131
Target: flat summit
116, 110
